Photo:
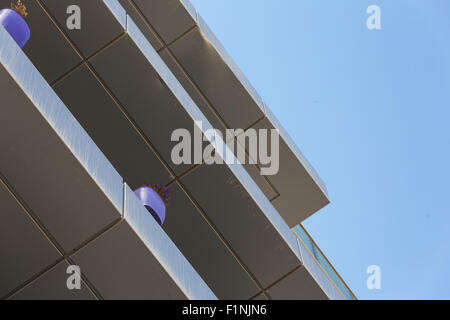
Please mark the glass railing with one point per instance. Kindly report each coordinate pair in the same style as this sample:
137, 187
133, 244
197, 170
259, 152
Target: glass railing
319, 266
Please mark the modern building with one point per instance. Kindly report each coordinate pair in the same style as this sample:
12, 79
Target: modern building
86, 116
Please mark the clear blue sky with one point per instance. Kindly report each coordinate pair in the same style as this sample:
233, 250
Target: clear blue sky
371, 111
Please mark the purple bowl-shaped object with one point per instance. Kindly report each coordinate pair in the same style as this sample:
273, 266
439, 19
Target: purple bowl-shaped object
16, 26
153, 202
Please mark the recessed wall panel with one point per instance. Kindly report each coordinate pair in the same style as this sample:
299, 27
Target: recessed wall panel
24, 249
170, 18
113, 133
47, 48
299, 285
143, 94
244, 226
201, 245
89, 24
120, 266
52, 285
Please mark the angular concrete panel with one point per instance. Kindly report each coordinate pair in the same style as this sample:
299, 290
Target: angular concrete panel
217, 81
47, 157
250, 165
170, 18
300, 195
189, 86
142, 93
135, 259
249, 232
201, 245
134, 12
164, 250
299, 285
119, 265
106, 124
47, 48
24, 249
213, 117
261, 297
45, 173
97, 24
52, 285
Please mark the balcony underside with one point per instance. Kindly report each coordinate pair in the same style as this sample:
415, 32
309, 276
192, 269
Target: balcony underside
228, 100
62, 203
128, 101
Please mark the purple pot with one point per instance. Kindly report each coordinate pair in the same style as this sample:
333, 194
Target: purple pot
153, 202
16, 26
